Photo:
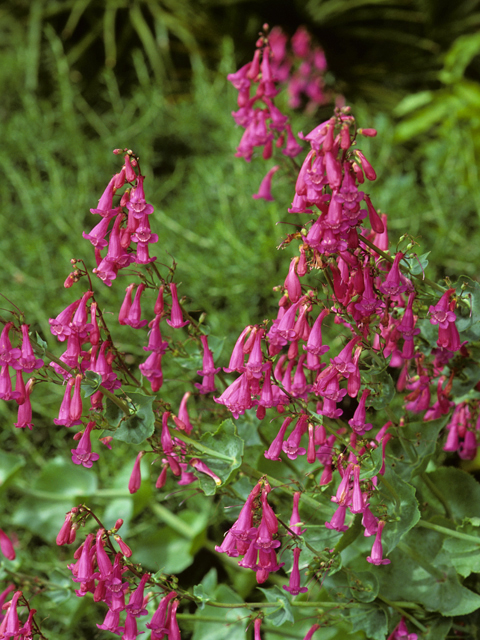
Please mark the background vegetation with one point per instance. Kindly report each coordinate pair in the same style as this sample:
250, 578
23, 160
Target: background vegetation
82, 77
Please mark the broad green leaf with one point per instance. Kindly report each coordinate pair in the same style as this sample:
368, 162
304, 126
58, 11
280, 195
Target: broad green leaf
465, 554
91, 384
60, 477
417, 264
371, 619
413, 445
227, 443
438, 629
42, 517
141, 425
163, 550
382, 387
458, 57
363, 586
10, 463
404, 507
284, 612
424, 575
231, 622
459, 490
468, 316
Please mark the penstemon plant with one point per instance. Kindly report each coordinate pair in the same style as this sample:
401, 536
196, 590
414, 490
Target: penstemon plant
324, 446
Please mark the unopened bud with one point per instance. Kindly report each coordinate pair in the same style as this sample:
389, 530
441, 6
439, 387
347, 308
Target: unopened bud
124, 548
70, 281
118, 152
118, 524
370, 133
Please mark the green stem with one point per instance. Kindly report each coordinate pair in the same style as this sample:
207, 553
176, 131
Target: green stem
448, 532
401, 611
173, 521
388, 257
438, 494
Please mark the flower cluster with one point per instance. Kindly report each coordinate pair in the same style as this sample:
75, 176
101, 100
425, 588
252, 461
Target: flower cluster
302, 69
10, 624
100, 570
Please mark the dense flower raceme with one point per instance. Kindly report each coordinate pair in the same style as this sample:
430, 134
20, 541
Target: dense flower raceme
373, 300
99, 569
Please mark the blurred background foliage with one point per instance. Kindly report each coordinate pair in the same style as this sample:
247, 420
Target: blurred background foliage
81, 77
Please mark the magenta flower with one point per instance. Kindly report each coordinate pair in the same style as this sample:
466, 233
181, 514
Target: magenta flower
8, 354
83, 453
294, 583
295, 519
137, 204
176, 317
11, 624
135, 603
135, 311
376, 556
202, 468
27, 360
358, 421
158, 623
273, 452
173, 631
6, 546
265, 189
136, 477
24, 418
105, 204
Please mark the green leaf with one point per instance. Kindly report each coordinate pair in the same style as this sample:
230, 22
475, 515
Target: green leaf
405, 507
284, 611
468, 316
92, 382
140, 426
464, 554
413, 446
231, 622
10, 463
409, 577
459, 490
412, 102
163, 550
417, 264
40, 343
226, 442
371, 619
438, 629
75, 480
459, 56
363, 586
383, 389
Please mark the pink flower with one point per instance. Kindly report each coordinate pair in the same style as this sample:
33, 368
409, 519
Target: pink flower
83, 453
6, 546
27, 359
135, 311
136, 477
294, 583
376, 556
264, 191
176, 317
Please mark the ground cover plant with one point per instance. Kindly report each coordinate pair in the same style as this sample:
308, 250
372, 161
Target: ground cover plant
312, 462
